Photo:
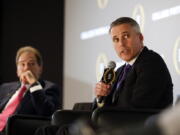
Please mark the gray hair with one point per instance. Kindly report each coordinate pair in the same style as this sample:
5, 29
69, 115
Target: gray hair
125, 20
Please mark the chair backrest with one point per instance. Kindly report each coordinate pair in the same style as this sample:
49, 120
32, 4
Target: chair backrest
25, 124
65, 117
121, 117
83, 106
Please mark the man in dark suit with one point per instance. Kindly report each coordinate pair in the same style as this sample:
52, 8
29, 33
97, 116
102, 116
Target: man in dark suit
40, 98
148, 83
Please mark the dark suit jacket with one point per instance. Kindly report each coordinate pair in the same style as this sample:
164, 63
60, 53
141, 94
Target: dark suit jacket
42, 102
147, 85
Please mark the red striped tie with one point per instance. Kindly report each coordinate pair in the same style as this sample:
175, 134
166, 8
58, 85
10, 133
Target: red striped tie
10, 109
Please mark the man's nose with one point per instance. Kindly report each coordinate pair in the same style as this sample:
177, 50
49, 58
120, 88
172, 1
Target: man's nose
26, 66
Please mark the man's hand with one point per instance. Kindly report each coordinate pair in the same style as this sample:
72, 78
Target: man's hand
102, 89
28, 77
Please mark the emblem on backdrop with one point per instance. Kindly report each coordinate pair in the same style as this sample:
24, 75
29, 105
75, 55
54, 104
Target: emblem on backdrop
139, 16
101, 62
102, 3
176, 55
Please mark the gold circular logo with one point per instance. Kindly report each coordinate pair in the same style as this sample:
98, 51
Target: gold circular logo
176, 55
102, 3
138, 15
100, 64
108, 76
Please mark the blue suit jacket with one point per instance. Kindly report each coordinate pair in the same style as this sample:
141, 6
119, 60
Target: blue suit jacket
147, 85
42, 102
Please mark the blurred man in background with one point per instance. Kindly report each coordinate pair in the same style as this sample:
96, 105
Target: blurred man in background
30, 95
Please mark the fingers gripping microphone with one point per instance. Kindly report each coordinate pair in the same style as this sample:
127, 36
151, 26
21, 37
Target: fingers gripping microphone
107, 78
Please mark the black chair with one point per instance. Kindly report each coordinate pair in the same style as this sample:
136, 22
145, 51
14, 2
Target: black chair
84, 106
25, 124
118, 117
66, 117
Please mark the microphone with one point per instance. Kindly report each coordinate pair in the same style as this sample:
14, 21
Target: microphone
107, 78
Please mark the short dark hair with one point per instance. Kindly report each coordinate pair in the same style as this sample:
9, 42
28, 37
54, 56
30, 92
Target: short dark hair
30, 49
125, 20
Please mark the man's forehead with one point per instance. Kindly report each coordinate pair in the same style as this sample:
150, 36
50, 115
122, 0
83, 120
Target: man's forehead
27, 56
29, 59
120, 33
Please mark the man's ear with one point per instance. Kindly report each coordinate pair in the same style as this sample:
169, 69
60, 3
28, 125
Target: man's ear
141, 37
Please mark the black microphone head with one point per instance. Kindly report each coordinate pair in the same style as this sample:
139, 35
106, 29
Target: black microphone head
111, 65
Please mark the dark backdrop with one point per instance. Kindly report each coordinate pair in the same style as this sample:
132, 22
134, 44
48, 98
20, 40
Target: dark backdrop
32, 22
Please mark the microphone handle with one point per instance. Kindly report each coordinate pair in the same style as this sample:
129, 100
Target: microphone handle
100, 99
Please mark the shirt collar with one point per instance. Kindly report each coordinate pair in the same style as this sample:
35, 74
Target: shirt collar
27, 85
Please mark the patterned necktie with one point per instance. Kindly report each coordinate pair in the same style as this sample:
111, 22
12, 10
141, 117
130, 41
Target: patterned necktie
120, 80
11, 107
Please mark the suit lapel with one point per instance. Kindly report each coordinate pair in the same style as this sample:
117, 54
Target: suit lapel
10, 91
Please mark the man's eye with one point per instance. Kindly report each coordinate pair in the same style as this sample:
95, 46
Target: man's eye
115, 40
126, 36
21, 64
32, 63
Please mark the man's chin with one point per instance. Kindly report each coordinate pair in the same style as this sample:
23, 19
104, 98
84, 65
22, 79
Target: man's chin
127, 59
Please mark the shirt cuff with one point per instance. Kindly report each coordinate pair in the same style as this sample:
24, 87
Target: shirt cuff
35, 87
